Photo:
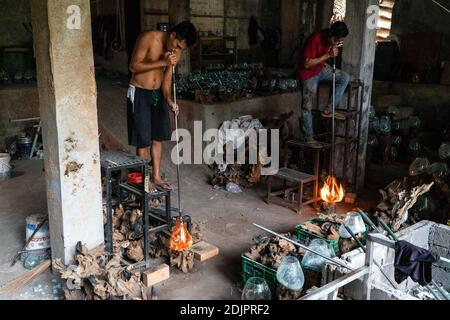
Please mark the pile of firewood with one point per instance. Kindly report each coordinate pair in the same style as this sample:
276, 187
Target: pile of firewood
93, 277
325, 229
396, 201
270, 251
128, 239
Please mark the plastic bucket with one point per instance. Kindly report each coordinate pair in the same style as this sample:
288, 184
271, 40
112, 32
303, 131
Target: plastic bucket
5, 167
41, 240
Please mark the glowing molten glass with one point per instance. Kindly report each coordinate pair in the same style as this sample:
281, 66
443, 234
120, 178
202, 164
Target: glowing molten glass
180, 239
332, 192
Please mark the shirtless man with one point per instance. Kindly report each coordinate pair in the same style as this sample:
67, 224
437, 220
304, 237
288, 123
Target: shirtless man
150, 92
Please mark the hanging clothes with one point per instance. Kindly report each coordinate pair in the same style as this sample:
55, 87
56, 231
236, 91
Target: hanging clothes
414, 262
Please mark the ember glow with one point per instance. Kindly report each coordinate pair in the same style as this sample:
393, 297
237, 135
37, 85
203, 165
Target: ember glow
332, 192
180, 239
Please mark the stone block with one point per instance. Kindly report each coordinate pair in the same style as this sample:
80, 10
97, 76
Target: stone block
204, 251
156, 275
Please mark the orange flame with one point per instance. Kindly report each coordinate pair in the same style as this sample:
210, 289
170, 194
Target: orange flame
332, 192
180, 239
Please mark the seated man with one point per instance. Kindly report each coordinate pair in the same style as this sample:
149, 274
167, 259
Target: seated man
320, 47
150, 92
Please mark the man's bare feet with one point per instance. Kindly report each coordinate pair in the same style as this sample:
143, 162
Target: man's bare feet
152, 188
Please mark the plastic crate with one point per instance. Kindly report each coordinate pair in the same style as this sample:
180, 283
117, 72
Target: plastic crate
251, 268
303, 235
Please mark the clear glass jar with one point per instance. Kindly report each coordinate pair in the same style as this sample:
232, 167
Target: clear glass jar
256, 289
290, 274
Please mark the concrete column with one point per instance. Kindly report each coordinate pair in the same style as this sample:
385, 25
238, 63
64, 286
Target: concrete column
179, 11
68, 108
358, 60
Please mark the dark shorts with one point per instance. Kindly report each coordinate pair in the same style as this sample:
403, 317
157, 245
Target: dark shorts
148, 117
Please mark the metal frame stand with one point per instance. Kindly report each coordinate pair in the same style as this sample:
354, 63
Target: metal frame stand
349, 139
116, 162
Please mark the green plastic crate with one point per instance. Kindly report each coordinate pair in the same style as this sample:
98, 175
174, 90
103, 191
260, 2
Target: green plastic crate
304, 234
251, 268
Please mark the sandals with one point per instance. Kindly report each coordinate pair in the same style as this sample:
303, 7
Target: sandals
164, 185
327, 113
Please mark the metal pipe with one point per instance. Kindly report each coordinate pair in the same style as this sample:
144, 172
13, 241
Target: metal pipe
304, 247
332, 120
365, 251
178, 151
24, 120
389, 231
441, 291
368, 221
395, 238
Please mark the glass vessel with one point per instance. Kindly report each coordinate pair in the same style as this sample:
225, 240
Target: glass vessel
290, 274
256, 289
440, 171
354, 222
314, 262
419, 166
385, 125
444, 151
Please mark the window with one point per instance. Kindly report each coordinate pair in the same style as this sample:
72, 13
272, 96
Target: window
385, 19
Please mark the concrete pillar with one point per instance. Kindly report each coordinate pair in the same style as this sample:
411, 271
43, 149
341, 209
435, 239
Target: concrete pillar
68, 108
358, 60
179, 11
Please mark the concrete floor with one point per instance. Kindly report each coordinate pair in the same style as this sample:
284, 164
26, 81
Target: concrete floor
227, 219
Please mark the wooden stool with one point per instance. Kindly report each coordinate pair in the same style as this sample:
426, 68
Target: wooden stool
293, 176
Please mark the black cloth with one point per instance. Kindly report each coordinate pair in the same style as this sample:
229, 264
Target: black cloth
414, 262
148, 118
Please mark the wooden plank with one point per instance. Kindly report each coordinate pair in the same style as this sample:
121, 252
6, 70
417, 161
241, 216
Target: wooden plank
294, 176
26, 278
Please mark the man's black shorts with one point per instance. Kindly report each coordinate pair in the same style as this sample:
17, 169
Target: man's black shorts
148, 117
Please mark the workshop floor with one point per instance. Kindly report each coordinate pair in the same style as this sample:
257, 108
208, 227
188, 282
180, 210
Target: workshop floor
227, 219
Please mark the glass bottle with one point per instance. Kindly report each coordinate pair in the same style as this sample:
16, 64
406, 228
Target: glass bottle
256, 289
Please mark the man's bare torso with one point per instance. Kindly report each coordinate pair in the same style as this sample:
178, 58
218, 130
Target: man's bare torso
155, 50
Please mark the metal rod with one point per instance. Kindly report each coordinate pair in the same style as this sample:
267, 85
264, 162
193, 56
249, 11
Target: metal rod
24, 120
395, 238
368, 221
304, 247
441, 291
365, 251
332, 122
36, 137
354, 237
389, 231
178, 151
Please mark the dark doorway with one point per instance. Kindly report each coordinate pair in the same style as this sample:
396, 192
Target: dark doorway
132, 24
